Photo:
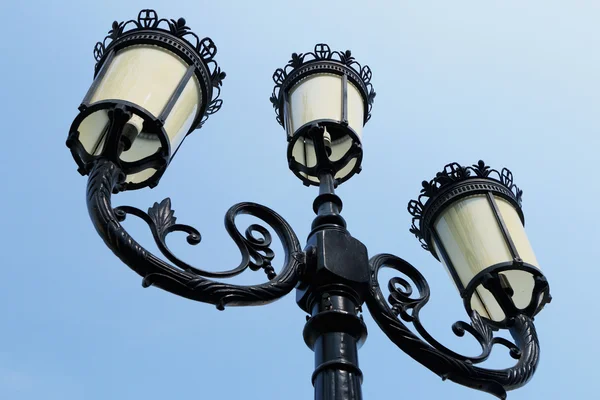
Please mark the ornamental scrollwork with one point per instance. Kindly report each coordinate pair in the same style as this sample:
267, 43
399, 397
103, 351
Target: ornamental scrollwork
404, 304
451, 174
180, 277
322, 52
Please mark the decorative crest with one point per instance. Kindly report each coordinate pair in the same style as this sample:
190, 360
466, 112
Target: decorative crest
362, 75
451, 174
205, 49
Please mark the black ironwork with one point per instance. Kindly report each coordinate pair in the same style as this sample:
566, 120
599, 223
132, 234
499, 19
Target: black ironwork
493, 280
333, 274
333, 280
181, 278
433, 355
115, 143
332, 291
314, 132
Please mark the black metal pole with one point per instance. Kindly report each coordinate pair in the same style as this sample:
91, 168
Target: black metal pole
333, 333
333, 293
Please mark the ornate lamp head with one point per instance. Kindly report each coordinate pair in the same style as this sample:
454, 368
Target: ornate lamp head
155, 82
470, 218
323, 99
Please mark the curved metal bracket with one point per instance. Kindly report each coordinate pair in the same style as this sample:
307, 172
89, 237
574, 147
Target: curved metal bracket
430, 353
181, 278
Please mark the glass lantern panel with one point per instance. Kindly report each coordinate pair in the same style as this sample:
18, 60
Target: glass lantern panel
319, 96
147, 76
140, 176
517, 231
473, 241
491, 309
144, 75
92, 130
471, 237
521, 282
183, 114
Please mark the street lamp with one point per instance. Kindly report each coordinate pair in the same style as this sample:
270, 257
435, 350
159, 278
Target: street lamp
156, 81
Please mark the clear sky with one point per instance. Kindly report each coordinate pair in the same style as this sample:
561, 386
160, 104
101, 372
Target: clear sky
514, 83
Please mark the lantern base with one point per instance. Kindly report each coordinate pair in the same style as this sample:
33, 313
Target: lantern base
491, 280
111, 145
316, 141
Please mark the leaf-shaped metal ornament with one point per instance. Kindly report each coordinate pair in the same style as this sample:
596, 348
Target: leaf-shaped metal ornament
346, 57
296, 60
162, 215
481, 169
429, 188
217, 77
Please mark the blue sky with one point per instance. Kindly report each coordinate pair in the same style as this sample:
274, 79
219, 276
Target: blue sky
514, 83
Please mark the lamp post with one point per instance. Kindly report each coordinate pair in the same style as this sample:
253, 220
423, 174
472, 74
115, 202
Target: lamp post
156, 82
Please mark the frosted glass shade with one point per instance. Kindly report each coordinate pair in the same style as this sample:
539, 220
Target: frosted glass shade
321, 97
146, 76
473, 241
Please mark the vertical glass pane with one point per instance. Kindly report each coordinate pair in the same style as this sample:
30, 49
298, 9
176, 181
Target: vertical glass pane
521, 282
92, 130
471, 236
144, 75
316, 97
517, 231
184, 113
473, 241
319, 96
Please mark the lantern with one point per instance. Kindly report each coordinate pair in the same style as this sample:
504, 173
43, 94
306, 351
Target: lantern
473, 223
152, 87
323, 99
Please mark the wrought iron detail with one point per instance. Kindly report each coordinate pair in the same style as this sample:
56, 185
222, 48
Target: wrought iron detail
181, 278
490, 278
325, 60
175, 35
453, 181
433, 355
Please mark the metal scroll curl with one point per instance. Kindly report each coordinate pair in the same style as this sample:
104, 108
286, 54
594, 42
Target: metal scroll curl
181, 278
429, 352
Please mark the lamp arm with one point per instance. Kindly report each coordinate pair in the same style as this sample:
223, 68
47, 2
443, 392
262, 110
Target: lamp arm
183, 279
433, 355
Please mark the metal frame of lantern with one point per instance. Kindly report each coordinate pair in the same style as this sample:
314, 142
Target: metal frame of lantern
332, 274
175, 37
303, 66
451, 185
